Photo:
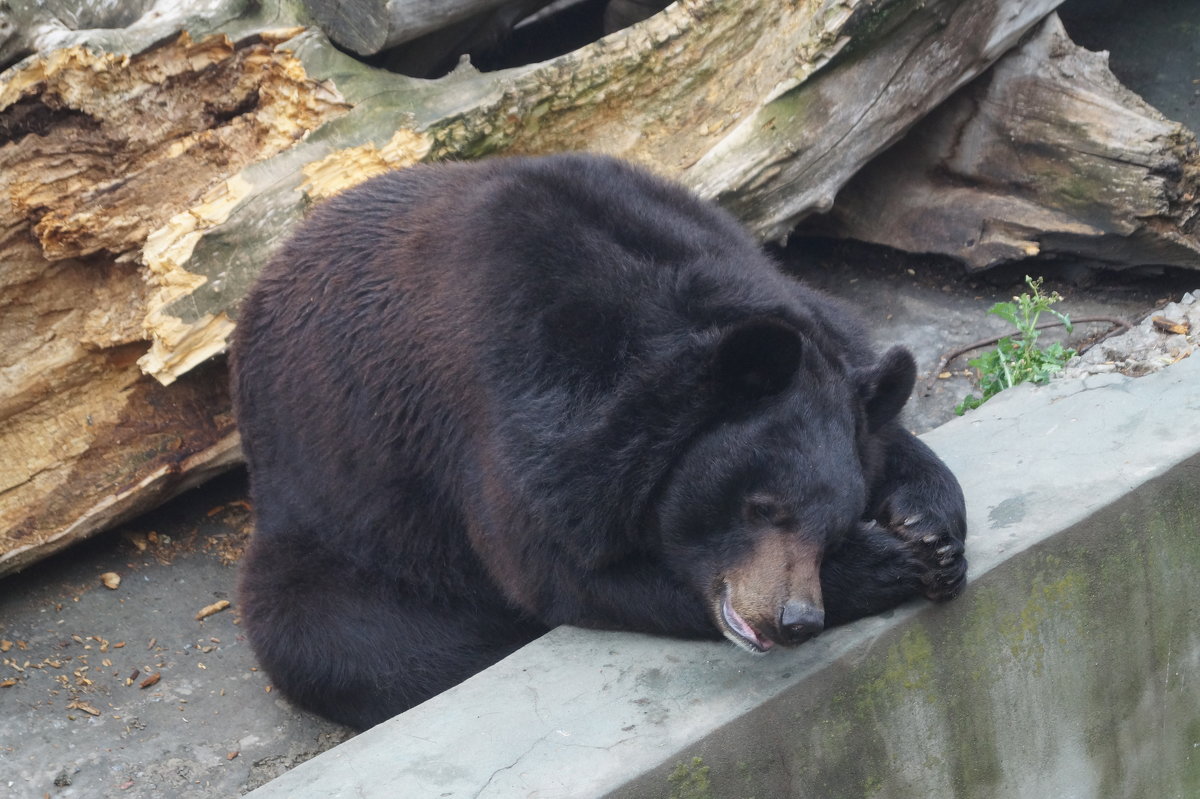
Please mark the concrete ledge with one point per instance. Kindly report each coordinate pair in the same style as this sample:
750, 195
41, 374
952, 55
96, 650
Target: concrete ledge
1070, 668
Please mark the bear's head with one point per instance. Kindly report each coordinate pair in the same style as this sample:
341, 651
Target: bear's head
777, 478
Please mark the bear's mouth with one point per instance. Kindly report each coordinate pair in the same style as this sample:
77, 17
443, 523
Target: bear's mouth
738, 630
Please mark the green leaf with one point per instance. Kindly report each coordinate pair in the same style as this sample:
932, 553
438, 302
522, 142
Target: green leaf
1018, 359
1065, 319
1006, 311
969, 403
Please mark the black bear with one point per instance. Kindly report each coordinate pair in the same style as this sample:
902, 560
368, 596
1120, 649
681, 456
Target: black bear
481, 400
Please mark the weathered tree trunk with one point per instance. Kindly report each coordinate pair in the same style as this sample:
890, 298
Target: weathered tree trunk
30, 25
1048, 154
367, 27
98, 153
141, 194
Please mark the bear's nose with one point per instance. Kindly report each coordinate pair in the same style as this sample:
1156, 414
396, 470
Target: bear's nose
799, 621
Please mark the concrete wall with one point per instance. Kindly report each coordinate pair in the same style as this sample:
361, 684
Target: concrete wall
1072, 670
1070, 667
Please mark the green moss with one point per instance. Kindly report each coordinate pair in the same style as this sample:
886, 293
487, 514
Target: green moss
1191, 746
1047, 600
871, 22
873, 786
906, 669
689, 780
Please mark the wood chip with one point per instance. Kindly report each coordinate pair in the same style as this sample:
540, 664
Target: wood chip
151, 680
110, 580
231, 755
8, 683
1171, 326
209, 610
79, 704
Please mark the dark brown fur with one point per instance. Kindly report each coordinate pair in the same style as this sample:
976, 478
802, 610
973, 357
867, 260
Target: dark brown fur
481, 400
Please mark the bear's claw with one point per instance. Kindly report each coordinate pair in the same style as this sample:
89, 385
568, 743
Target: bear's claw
939, 554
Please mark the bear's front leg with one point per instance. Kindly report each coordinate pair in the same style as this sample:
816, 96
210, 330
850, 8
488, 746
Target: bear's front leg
911, 541
918, 500
637, 594
869, 572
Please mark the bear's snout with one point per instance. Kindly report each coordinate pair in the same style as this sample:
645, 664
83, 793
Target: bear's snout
773, 596
798, 621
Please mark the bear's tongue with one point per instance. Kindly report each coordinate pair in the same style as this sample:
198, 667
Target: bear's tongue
741, 627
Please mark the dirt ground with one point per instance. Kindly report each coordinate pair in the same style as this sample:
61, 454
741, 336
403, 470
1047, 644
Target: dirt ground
124, 692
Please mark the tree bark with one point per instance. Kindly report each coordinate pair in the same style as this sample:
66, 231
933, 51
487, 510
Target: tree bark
1046, 155
97, 153
768, 110
142, 193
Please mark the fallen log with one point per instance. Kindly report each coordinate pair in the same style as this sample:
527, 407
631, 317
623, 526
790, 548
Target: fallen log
143, 185
1047, 155
87, 177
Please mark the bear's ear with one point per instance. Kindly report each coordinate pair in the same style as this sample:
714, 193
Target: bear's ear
886, 386
756, 359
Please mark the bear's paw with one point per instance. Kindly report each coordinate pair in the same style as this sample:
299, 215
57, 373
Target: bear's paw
935, 540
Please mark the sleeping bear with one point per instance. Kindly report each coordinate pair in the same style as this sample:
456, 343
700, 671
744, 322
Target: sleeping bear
479, 400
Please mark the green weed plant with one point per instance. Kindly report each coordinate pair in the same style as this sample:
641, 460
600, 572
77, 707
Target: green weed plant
1018, 359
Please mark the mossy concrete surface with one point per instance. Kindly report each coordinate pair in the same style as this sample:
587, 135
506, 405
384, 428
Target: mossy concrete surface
1069, 668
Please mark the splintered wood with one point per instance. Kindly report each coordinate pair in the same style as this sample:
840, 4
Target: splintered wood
99, 154
79, 704
1166, 325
